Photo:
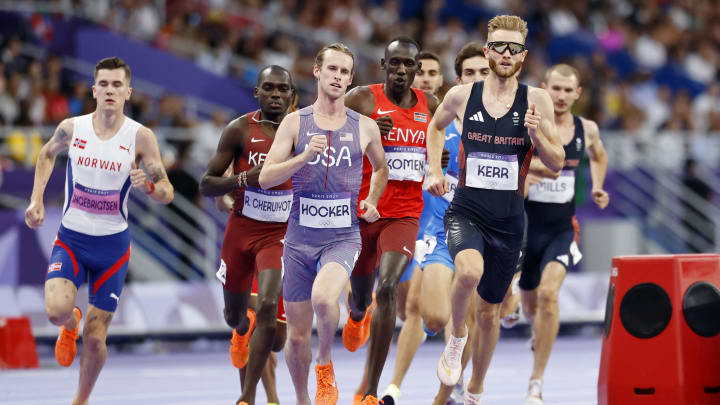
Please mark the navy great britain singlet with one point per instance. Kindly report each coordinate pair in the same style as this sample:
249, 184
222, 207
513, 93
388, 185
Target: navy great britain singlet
551, 203
325, 190
494, 159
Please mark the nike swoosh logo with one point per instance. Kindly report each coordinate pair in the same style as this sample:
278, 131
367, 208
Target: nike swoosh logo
314, 133
253, 140
381, 112
407, 250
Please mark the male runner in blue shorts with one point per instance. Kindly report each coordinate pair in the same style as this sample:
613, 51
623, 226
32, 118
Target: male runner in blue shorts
93, 243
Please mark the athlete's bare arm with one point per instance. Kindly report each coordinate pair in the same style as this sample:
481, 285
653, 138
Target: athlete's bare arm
214, 182
362, 100
278, 165
598, 162
148, 153
541, 128
224, 203
35, 213
432, 102
370, 136
537, 168
455, 101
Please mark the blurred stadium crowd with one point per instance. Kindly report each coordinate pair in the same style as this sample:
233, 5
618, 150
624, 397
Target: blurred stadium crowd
646, 65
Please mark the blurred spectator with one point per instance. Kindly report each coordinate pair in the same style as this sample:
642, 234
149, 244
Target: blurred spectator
78, 97
9, 107
705, 105
11, 56
56, 104
207, 135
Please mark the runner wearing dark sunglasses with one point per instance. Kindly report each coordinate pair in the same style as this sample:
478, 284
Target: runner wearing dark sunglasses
503, 121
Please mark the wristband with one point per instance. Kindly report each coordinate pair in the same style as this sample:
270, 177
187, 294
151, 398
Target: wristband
242, 179
151, 186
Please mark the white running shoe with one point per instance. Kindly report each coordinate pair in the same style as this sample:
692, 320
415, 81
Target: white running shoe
512, 319
391, 395
472, 399
449, 367
457, 396
534, 396
531, 343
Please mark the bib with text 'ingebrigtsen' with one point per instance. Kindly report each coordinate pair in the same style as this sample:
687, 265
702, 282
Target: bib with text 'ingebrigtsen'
267, 205
493, 171
325, 210
405, 162
560, 190
94, 201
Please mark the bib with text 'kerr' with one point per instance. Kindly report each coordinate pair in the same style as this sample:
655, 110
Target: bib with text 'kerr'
492, 171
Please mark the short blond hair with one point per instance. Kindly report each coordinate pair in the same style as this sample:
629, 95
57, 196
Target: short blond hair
337, 46
508, 23
564, 70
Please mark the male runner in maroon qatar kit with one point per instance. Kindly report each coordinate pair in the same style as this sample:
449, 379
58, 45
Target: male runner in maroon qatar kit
256, 227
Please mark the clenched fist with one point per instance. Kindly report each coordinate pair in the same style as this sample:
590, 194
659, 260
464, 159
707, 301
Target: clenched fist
385, 123
368, 211
138, 179
35, 214
315, 147
532, 120
438, 185
600, 198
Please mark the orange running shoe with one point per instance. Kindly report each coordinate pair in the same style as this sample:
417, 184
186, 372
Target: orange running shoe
240, 345
327, 392
356, 333
66, 344
370, 400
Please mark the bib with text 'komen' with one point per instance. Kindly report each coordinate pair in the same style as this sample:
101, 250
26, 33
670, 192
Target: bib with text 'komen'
325, 210
560, 190
493, 171
405, 162
267, 205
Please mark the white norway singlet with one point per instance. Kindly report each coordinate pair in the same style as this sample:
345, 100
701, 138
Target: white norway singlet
97, 183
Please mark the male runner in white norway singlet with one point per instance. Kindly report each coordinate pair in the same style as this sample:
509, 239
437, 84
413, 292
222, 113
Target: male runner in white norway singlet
94, 241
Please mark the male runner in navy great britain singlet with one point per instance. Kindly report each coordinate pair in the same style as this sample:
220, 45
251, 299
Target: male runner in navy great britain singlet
321, 147
502, 121
552, 229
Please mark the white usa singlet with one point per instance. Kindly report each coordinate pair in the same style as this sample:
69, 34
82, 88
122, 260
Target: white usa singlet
97, 183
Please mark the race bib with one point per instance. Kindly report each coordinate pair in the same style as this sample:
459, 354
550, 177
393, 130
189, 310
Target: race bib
405, 162
325, 210
452, 179
560, 190
94, 201
267, 205
492, 171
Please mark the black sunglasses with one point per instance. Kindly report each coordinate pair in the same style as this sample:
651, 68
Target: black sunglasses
501, 46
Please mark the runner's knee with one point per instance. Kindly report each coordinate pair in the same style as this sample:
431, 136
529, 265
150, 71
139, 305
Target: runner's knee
232, 317
280, 337
58, 314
